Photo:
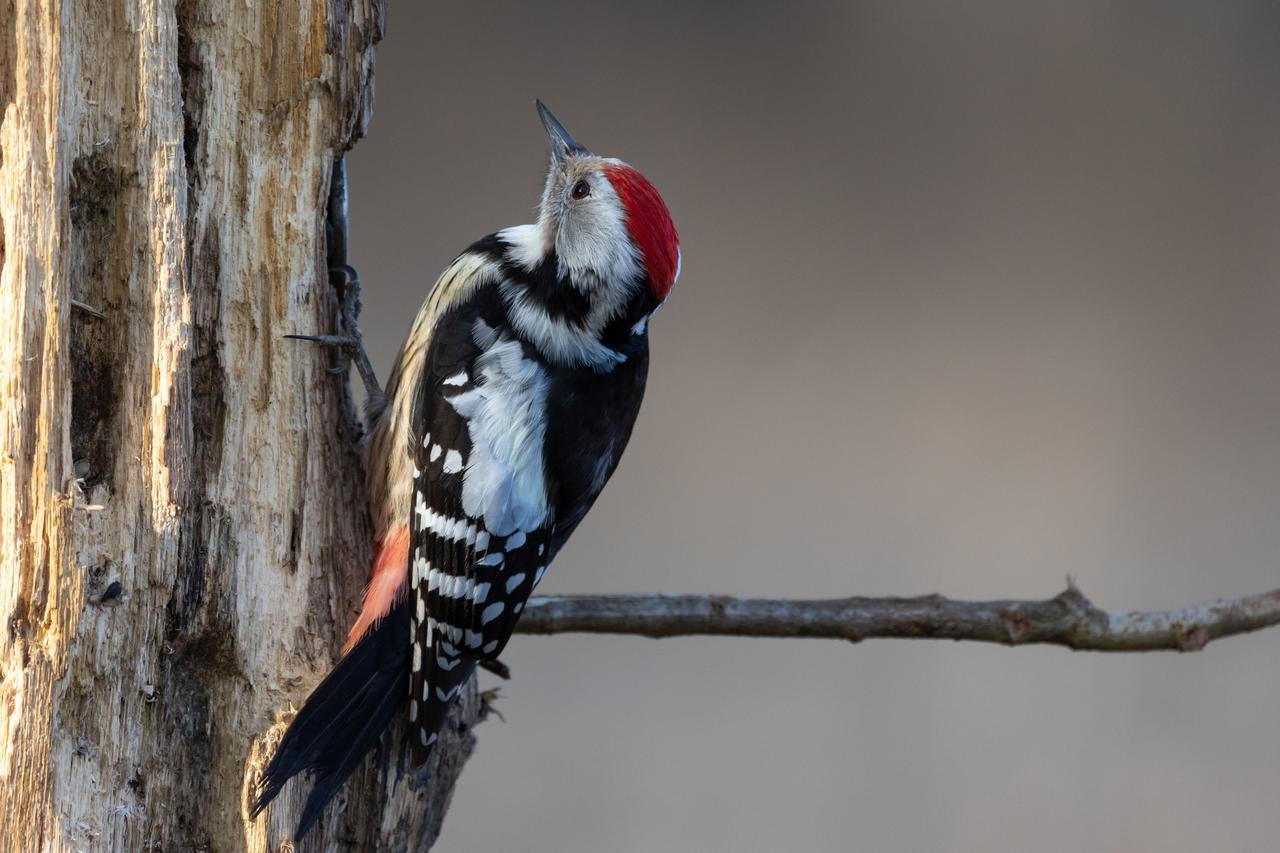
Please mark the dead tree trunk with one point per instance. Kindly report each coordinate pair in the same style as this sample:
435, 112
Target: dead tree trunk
180, 544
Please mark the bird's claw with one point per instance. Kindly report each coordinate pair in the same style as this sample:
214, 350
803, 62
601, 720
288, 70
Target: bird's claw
348, 340
497, 667
325, 340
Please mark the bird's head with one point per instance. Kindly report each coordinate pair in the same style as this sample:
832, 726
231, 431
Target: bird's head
608, 225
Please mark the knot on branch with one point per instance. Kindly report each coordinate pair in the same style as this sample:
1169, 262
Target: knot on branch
1016, 624
1074, 601
1193, 638
1081, 622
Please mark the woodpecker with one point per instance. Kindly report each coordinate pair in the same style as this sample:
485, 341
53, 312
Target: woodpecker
505, 414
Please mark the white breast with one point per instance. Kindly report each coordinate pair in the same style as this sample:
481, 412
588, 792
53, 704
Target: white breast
504, 481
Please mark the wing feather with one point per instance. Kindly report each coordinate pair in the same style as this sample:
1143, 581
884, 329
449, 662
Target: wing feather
480, 518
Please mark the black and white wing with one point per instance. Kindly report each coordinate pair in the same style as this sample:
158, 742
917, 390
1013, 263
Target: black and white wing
481, 520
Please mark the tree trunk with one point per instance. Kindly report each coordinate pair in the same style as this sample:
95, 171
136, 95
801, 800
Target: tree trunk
183, 538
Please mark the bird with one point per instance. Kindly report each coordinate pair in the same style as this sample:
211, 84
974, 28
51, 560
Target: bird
505, 414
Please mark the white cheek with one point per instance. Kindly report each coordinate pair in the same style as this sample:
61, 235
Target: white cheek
593, 243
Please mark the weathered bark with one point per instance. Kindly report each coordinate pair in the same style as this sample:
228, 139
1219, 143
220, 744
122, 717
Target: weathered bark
179, 553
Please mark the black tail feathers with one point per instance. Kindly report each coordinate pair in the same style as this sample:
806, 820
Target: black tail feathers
343, 717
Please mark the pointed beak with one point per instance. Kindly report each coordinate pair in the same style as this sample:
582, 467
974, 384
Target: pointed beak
562, 144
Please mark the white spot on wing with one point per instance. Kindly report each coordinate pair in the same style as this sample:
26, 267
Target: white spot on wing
456, 529
420, 510
453, 463
436, 450
493, 611
454, 586
514, 581
457, 379
490, 646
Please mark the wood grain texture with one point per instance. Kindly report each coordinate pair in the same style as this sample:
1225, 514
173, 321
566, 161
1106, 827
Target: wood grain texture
179, 555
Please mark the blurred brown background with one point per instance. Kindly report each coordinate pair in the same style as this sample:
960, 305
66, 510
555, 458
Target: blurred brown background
973, 299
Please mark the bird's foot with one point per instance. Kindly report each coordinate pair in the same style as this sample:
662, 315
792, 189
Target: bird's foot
348, 341
343, 278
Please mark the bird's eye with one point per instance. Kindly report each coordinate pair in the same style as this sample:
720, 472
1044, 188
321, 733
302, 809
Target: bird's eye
581, 189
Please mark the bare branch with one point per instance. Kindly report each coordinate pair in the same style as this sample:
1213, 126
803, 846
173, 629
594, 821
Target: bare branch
1068, 619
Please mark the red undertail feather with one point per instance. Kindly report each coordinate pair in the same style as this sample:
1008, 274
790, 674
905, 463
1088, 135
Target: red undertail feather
386, 585
650, 225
